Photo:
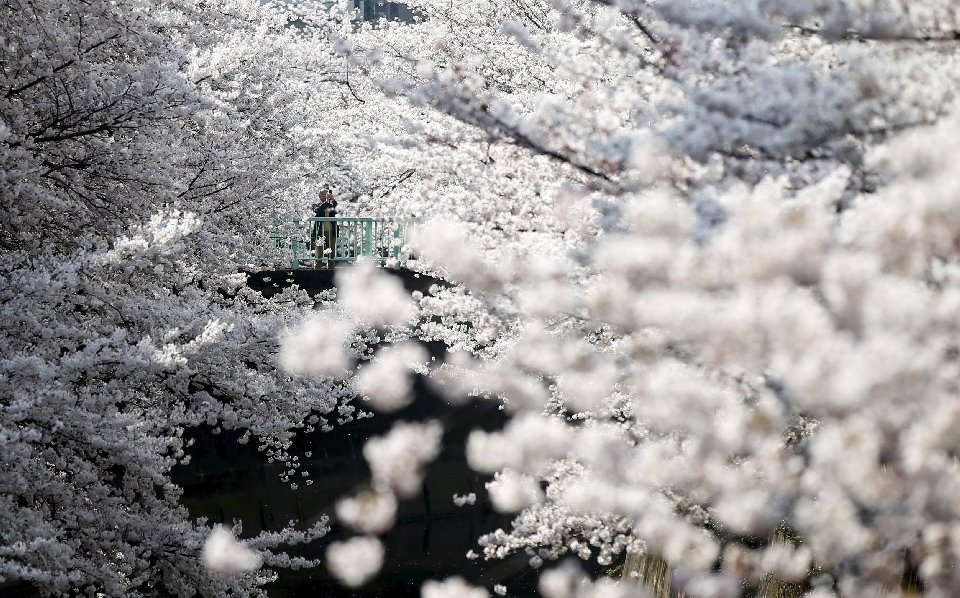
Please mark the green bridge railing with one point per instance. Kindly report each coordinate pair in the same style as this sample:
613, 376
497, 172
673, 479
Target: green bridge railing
324, 242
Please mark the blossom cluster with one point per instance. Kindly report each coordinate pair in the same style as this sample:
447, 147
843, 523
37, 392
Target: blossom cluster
749, 324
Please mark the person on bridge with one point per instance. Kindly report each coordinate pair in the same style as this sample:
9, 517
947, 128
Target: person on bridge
327, 231
324, 234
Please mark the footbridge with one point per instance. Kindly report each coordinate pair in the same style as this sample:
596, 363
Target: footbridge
325, 242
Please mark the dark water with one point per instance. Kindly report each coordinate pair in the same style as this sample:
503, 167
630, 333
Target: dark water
226, 481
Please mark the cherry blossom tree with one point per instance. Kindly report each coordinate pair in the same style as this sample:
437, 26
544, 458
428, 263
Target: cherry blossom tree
704, 254
754, 329
146, 148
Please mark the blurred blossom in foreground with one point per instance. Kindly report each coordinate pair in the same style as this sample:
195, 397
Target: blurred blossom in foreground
223, 553
370, 511
453, 587
386, 380
355, 561
375, 297
397, 459
317, 348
